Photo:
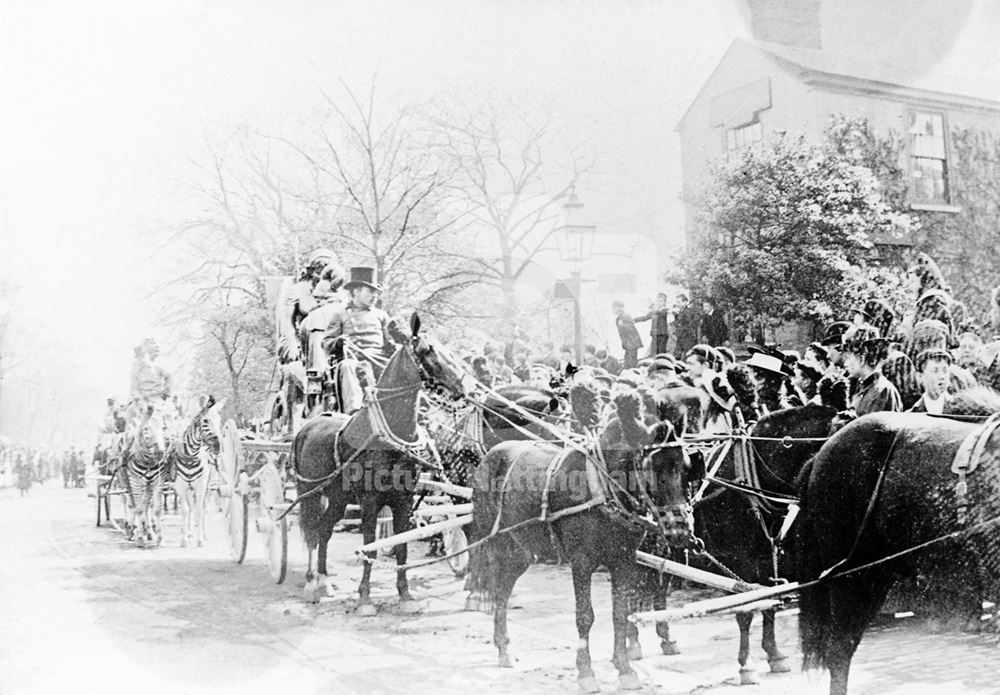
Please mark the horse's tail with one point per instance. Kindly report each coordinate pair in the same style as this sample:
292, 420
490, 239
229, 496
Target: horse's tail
815, 615
310, 508
481, 581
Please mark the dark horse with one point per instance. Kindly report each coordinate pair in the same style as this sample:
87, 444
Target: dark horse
743, 530
883, 485
587, 519
368, 457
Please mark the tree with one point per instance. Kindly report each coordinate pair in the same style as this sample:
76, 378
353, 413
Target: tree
390, 208
787, 224
508, 186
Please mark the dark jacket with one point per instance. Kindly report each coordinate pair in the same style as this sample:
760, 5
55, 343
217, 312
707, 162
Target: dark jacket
660, 319
627, 332
686, 329
874, 394
713, 328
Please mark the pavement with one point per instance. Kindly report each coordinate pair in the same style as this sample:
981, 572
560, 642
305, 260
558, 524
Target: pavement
85, 612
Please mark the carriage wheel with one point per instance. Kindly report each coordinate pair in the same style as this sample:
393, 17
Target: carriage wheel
229, 454
237, 514
272, 505
455, 541
383, 528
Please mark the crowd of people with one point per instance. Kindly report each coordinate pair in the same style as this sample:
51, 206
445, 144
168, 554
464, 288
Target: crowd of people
885, 361
24, 466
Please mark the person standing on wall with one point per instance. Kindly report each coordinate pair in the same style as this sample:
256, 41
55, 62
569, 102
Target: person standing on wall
713, 327
659, 331
631, 342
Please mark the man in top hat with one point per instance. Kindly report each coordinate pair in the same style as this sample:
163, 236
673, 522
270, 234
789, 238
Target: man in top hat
713, 329
933, 366
685, 325
833, 341
357, 337
863, 358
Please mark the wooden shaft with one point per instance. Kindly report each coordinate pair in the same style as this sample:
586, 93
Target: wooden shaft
443, 509
447, 488
714, 605
716, 581
416, 534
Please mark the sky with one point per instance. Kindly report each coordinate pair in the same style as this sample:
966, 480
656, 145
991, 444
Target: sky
102, 105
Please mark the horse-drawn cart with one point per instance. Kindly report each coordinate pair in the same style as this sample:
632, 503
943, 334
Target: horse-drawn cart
255, 484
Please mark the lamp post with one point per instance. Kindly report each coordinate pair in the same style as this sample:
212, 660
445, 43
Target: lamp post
576, 243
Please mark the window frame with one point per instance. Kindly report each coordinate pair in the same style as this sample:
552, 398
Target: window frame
727, 131
916, 203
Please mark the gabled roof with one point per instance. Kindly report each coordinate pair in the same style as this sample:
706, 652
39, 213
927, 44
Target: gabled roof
853, 74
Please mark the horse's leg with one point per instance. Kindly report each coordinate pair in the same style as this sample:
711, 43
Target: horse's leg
200, 506
180, 489
777, 660
667, 646
326, 531
310, 590
583, 568
369, 519
512, 566
748, 672
623, 583
400, 523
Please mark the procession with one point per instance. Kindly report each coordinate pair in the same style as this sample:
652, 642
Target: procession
413, 401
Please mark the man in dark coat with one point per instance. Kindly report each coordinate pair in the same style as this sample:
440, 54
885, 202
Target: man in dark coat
631, 342
713, 327
659, 331
685, 326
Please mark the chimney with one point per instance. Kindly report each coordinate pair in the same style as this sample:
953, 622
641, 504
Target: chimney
789, 22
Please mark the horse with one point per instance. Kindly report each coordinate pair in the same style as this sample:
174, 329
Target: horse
369, 456
144, 466
555, 499
893, 494
187, 458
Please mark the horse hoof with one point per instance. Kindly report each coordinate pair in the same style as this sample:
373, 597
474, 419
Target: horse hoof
310, 594
504, 661
629, 681
669, 648
749, 676
779, 665
409, 607
589, 684
367, 610
634, 653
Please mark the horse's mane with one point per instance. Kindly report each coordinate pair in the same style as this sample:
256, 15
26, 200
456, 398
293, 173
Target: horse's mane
741, 382
833, 392
978, 400
585, 401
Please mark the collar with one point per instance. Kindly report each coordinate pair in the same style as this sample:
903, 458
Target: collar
870, 379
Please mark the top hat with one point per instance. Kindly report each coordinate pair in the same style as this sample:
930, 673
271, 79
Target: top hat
834, 335
362, 276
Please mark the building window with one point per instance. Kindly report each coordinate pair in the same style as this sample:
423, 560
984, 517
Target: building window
742, 137
928, 158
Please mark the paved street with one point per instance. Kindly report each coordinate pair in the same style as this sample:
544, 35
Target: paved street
86, 613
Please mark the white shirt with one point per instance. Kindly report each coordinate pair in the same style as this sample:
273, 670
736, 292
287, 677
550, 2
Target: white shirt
935, 405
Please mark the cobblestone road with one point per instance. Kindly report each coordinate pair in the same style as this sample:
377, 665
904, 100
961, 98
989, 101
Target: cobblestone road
86, 613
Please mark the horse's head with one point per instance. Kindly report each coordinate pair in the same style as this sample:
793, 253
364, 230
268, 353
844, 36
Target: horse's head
660, 471
150, 435
211, 424
437, 365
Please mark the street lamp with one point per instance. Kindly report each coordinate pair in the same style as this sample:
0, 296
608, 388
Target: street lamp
576, 243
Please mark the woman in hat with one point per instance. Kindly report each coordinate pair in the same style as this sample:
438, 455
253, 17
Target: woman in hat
863, 358
770, 371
